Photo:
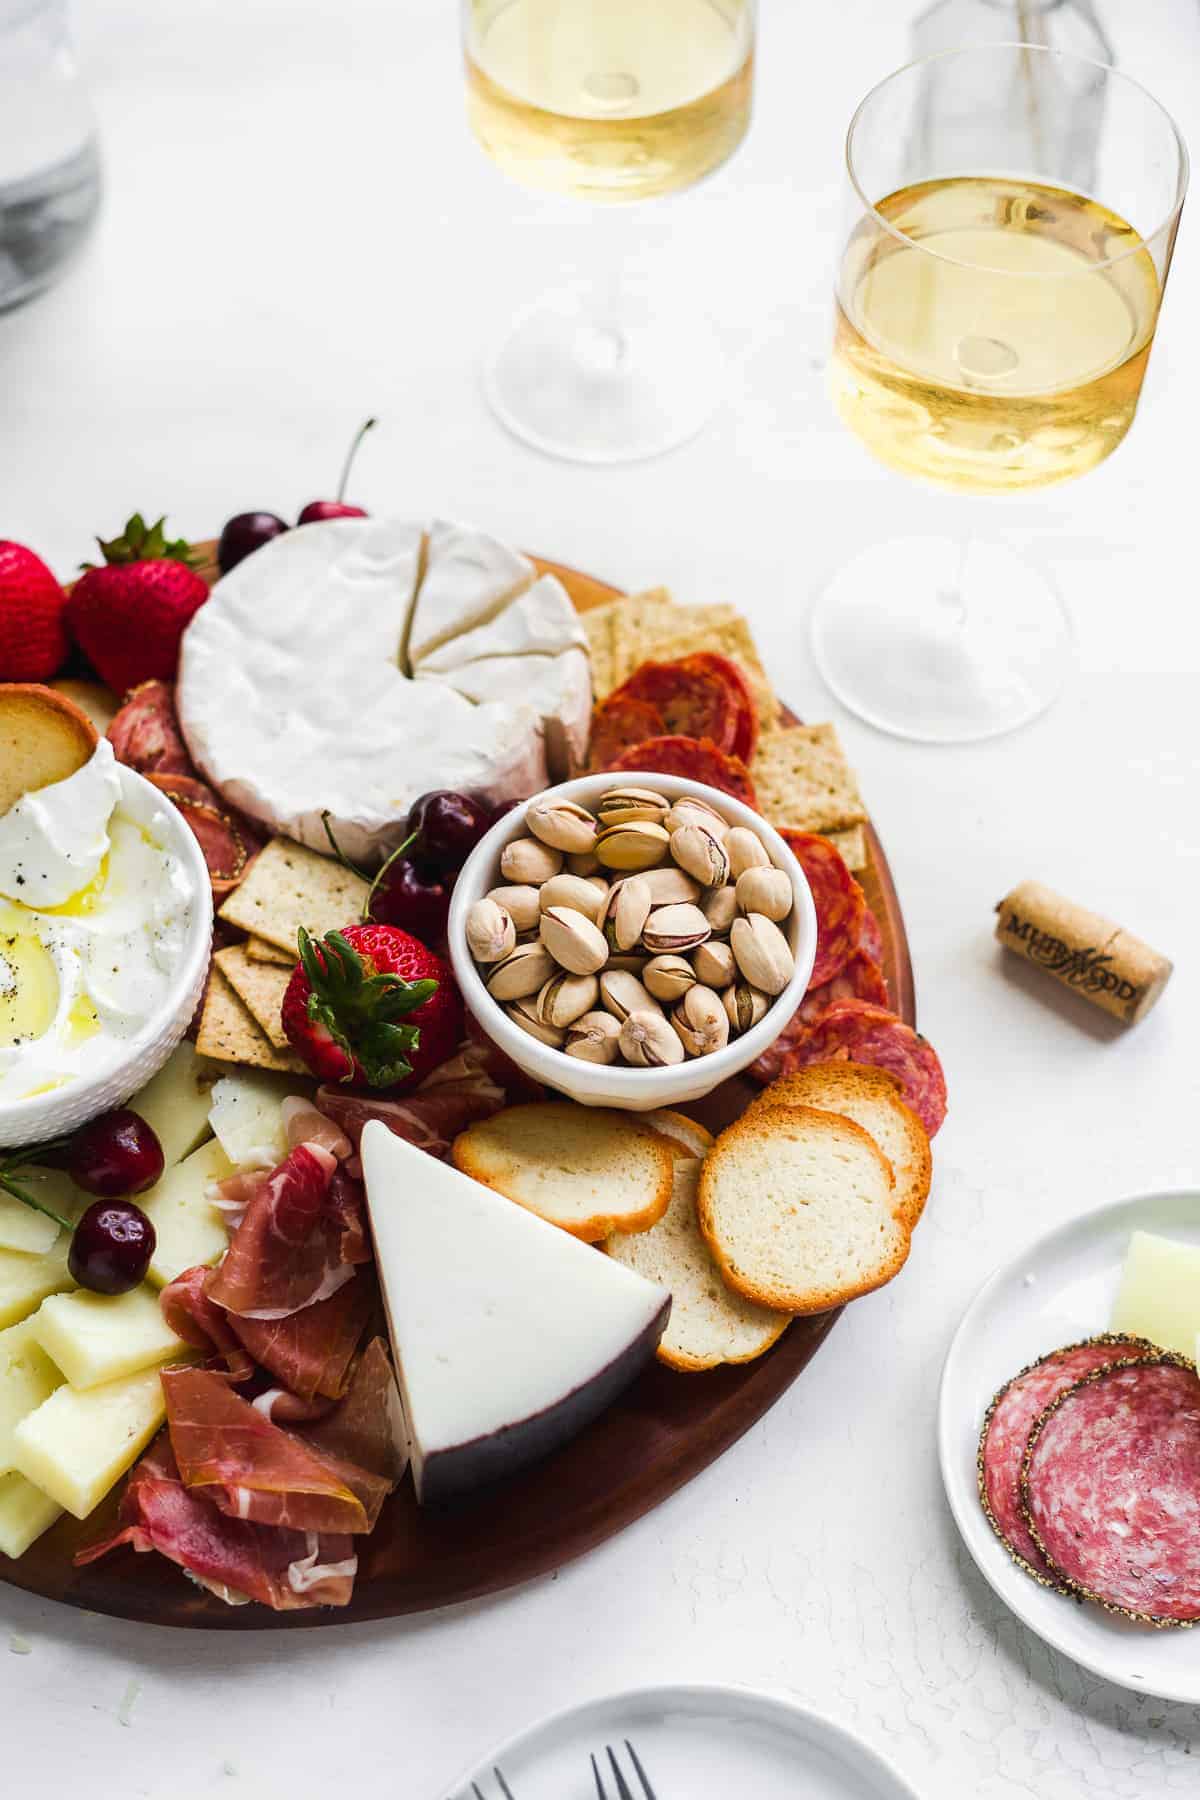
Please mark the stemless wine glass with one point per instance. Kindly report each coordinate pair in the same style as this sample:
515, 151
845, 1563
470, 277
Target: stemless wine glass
1013, 214
608, 101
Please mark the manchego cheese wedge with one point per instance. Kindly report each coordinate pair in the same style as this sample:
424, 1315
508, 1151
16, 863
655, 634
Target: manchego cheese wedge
188, 1228
27, 1377
1159, 1295
21, 1228
25, 1512
176, 1102
94, 1338
26, 1280
75, 1445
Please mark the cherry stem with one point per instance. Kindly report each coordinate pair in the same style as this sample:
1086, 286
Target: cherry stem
398, 851
360, 434
18, 1193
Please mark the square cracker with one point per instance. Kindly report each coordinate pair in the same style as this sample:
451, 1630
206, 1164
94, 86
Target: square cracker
853, 846
724, 630
598, 629
289, 886
635, 623
258, 950
804, 782
228, 1032
260, 986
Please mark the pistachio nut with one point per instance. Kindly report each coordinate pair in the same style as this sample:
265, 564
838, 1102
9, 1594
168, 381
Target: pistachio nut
701, 854
525, 970
632, 848
766, 891
669, 886
689, 811
744, 1006
627, 962
714, 964
673, 929
583, 862
520, 903
626, 805
763, 953
527, 862
700, 1022
491, 933
561, 824
719, 907
574, 892
566, 998
626, 911
746, 851
669, 977
573, 941
622, 994
524, 1013
648, 1041
593, 1038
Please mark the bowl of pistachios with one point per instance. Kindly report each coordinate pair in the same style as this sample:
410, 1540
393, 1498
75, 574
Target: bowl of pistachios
632, 940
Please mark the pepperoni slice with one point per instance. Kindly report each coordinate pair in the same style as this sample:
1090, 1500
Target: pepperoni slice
619, 722
860, 979
694, 702
145, 732
840, 902
1007, 1425
694, 758
1111, 1489
745, 739
855, 1031
870, 938
227, 841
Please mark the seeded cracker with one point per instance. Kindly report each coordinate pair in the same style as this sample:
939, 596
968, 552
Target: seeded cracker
852, 846
598, 629
258, 950
259, 986
289, 886
804, 782
229, 1033
635, 622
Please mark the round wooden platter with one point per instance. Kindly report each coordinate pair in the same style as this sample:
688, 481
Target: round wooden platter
663, 1431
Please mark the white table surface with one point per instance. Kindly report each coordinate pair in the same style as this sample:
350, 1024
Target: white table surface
299, 232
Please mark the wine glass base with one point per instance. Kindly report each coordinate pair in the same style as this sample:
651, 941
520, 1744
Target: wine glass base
941, 641
604, 394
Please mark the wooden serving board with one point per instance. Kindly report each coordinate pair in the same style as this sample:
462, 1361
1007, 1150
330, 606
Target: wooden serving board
663, 1431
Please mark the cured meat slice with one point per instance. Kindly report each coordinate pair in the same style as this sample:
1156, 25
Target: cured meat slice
619, 722
1111, 1489
310, 1351
145, 732
278, 1260
691, 698
861, 979
854, 1031
228, 843
745, 735
696, 759
200, 1322
870, 938
303, 1124
234, 1559
1007, 1425
839, 901
366, 1427
452, 1097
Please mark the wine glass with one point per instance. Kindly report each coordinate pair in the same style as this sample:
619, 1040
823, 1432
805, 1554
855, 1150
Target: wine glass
1013, 210
610, 101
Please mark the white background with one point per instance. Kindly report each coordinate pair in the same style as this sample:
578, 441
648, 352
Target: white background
299, 232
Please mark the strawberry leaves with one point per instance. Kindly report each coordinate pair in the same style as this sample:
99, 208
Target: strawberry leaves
360, 1009
140, 542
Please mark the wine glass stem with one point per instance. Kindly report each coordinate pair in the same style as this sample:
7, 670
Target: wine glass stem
953, 594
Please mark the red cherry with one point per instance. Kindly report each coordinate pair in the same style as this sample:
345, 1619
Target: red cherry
245, 533
415, 896
338, 509
116, 1154
447, 826
111, 1247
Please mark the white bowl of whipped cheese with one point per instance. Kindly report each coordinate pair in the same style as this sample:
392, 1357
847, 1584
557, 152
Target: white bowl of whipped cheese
105, 935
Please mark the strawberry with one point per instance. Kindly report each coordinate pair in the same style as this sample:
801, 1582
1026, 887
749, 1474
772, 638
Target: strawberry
33, 638
371, 1005
129, 615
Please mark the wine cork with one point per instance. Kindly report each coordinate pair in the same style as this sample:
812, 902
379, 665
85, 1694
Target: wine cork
1085, 952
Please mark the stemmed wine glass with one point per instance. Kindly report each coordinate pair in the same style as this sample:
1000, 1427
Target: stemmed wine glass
1013, 211
608, 101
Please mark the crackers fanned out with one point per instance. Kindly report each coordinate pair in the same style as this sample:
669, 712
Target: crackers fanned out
260, 986
289, 886
258, 950
804, 782
229, 1032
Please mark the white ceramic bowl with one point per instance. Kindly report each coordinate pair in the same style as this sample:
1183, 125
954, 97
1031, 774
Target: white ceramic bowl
615, 1084
47, 1115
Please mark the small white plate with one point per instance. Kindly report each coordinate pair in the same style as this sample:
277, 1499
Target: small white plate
1059, 1290
695, 1743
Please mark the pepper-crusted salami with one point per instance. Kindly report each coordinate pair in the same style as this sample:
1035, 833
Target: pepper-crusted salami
840, 903
693, 758
228, 843
619, 722
1111, 1489
1010, 1419
691, 699
854, 1031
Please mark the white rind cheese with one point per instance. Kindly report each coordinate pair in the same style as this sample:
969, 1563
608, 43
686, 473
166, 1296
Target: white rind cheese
558, 688
468, 578
540, 622
509, 1335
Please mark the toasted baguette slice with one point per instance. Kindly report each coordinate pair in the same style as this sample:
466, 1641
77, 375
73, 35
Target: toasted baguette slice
687, 1137
585, 1168
796, 1207
44, 737
871, 1097
708, 1325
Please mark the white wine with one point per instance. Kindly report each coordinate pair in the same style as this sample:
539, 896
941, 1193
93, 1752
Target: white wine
609, 99
996, 337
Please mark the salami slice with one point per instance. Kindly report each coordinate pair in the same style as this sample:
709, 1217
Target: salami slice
1111, 1489
840, 902
854, 1031
619, 722
861, 979
870, 938
227, 841
745, 739
694, 758
145, 732
1007, 1425
692, 700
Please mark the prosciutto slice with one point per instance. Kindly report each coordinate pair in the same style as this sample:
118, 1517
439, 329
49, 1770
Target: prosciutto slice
254, 1470
453, 1097
309, 1351
145, 733
367, 1428
234, 1558
193, 1315
279, 1260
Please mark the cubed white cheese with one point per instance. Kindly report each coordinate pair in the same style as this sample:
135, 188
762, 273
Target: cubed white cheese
1159, 1295
246, 1116
176, 1102
26, 1280
188, 1228
95, 1338
75, 1445
25, 1512
27, 1377
21, 1228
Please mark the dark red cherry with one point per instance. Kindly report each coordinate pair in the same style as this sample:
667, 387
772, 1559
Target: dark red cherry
416, 897
111, 1247
338, 509
116, 1154
245, 533
447, 826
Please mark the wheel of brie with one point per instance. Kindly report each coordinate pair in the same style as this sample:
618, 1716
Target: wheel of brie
351, 665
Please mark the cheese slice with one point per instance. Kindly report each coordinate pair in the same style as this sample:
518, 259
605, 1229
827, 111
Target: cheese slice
74, 1446
26, 1280
247, 1117
21, 1228
25, 1512
468, 578
540, 621
175, 1103
558, 688
1159, 1295
94, 1338
188, 1228
27, 1377
509, 1335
